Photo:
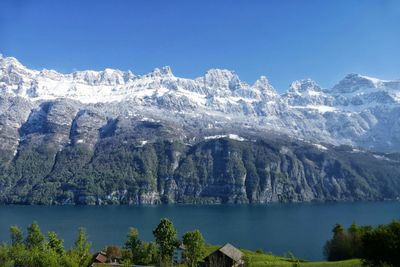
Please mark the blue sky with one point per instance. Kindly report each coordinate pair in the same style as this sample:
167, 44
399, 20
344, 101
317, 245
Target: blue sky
282, 39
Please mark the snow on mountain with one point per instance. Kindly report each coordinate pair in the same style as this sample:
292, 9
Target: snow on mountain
358, 110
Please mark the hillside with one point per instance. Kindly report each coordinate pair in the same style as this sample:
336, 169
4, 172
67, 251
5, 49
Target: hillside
113, 137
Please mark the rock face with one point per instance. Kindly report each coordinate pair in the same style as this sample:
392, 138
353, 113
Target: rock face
359, 110
101, 137
127, 168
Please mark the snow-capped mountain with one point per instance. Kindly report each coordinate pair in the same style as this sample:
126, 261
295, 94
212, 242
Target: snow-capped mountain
358, 110
95, 137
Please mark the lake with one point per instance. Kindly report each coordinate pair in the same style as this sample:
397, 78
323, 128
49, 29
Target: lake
299, 228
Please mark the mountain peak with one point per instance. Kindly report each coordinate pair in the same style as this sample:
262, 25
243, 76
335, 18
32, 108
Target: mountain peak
162, 72
305, 85
262, 81
354, 82
262, 84
222, 79
10, 61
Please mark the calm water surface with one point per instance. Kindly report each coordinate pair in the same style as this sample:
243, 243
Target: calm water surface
279, 228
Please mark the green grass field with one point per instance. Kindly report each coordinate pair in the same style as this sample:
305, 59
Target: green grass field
268, 260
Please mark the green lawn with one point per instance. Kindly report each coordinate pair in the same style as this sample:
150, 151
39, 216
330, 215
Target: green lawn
268, 260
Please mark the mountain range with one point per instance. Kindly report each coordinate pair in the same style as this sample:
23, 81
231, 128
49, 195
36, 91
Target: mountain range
98, 137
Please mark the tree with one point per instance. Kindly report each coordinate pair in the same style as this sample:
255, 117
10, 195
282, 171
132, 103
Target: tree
126, 263
194, 247
346, 244
133, 243
150, 252
5, 259
338, 248
381, 246
166, 240
42, 258
35, 238
113, 252
17, 237
133, 240
55, 244
82, 247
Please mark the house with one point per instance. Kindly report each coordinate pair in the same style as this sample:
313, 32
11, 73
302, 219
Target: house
178, 254
102, 258
225, 256
99, 257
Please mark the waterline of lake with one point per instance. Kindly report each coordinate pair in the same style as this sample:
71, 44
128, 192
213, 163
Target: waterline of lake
299, 228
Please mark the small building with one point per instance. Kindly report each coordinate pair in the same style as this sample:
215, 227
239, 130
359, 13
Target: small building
225, 256
99, 258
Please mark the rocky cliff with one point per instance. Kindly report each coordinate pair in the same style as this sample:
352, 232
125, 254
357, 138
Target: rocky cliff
65, 154
115, 137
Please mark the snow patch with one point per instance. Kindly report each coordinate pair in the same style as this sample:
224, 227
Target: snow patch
380, 157
230, 136
142, 143
318, 108
320, 147
236, 137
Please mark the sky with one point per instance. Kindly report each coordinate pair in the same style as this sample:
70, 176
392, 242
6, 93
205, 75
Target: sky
285, 40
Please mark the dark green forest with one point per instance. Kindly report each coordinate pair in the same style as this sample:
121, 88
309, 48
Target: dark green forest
377, 246
215, 171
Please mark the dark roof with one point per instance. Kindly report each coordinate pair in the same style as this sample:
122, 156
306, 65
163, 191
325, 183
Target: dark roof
230, 251
100, 257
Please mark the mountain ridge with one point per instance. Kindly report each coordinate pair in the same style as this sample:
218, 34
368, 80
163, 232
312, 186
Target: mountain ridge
221, 78
158, 138
358, 110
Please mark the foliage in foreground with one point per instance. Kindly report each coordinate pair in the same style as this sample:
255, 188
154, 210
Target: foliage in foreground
377, 247
37, 250
167, 241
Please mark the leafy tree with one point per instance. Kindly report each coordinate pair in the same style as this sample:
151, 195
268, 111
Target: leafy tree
18, 254
55, 244
346, 244
16, 235
355, 233
166, 240
381, 246
113, 252
35, 238
126, 263
82, 247
194, 247
338, 248
137, 251
42, 257
150, 252
5, 259
133, 243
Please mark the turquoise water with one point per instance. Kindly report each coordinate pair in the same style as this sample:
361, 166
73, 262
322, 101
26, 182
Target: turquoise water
279, 228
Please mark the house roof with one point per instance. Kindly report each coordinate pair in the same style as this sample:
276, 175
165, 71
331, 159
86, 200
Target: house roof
100, 257
231, 252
